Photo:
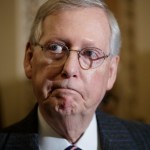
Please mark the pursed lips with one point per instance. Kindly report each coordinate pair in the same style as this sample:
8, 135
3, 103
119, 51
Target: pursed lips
61, 88
65, 88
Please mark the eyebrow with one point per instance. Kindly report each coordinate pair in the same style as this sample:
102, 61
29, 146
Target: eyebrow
69, 43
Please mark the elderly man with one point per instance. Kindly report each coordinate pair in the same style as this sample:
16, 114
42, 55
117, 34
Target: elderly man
71, 59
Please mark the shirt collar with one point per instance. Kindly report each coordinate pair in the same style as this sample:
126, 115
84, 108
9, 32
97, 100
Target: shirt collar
49, 139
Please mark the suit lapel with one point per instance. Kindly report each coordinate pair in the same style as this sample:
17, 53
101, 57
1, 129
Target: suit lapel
22, 142
113, 134
23, 135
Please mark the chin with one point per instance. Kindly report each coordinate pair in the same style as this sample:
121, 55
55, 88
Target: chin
66, 110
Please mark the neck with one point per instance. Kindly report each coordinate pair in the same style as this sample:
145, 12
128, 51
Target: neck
70, 127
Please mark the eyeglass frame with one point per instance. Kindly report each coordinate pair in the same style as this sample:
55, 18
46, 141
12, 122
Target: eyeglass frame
43, 48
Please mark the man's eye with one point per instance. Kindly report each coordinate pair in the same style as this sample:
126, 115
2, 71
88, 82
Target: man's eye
54, 48
90, 54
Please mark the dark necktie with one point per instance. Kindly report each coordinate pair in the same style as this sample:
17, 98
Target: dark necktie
72, 148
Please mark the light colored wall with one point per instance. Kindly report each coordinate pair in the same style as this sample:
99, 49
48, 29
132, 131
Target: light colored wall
142, 25
142, 43
7, 40
15, 91
7, 55
134, 81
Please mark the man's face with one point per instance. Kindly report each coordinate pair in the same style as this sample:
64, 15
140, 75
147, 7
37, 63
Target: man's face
69, 89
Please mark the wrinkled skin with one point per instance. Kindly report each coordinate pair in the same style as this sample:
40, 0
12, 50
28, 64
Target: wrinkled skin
69, 95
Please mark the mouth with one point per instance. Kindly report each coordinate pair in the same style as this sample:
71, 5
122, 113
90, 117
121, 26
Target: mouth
63, 88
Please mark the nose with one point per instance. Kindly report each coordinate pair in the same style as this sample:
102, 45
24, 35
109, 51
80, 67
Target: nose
71, 66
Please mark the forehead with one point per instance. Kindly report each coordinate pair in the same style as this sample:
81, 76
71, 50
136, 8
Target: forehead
81, 22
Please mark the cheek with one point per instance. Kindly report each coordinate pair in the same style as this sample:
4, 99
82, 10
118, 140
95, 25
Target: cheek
96, 88
41, 67
42, 76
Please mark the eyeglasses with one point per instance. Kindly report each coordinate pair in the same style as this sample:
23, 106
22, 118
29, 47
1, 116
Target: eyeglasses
89, 57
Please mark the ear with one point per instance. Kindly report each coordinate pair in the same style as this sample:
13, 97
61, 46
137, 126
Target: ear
28, 60
113, 67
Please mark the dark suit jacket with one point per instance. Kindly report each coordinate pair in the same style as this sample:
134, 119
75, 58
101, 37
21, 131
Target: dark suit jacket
115, 134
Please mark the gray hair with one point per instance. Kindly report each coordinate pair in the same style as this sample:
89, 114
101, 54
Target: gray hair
53, 6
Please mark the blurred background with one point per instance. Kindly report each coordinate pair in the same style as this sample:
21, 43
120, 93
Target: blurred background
129, 99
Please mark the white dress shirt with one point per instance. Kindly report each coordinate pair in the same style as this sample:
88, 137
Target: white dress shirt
50, 140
